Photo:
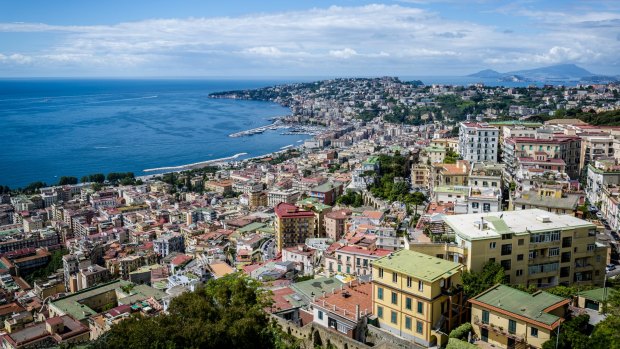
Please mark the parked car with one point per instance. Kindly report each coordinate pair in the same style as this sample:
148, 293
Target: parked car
599, 215
593, 208
610, 267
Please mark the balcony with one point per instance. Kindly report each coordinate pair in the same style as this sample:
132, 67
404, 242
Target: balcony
544, 259
519, 338
452, 291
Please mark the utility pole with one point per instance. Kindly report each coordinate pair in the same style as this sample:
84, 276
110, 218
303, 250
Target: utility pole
557, 338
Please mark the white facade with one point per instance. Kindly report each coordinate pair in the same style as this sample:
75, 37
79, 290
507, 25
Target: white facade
478, 142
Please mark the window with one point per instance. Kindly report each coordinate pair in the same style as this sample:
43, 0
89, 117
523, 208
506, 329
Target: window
420, 286
506, 249
554, 251
475, 205
591, 247
380, 293
394, 317
519, 257
419, 327
521, 242
408, 281
420, 307
534, 332
359, 261
485, 317
394, 298
519, 272
547, 236
380, 312
408, 303
506, 263
486, 207
512, 326
408, 322
320, 315
492, 245
381, 273
394, 277
567, 242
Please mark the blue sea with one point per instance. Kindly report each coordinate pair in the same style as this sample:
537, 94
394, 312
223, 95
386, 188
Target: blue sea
74, 127
52, 128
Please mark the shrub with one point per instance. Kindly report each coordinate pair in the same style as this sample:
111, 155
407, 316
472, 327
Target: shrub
454, 343
461, 332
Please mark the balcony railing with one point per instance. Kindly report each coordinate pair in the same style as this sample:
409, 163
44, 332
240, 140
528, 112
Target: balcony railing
520, 338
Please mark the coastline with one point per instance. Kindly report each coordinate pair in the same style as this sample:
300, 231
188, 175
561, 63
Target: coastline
194, 165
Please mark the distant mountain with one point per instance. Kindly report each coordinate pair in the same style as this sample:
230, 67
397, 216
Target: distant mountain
487, 74
560, 72
553, 72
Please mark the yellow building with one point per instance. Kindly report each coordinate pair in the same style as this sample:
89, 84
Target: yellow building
450, 174
508, 318
418, 297
535, 247
292, 225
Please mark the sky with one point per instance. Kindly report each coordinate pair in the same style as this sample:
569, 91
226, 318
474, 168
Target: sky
286, 38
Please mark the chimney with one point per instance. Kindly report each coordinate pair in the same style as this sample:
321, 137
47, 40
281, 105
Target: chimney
357, 311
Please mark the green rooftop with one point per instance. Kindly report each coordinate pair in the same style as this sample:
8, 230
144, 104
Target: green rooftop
324, 188
499, 225
521, 303
451, 189
597, 294
316, 286
372, 160
72, 304
435, 149
418, 265
313, 203
250, 227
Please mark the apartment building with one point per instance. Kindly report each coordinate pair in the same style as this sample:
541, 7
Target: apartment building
555, 146
478, 141
335, 223
450, 174
292, 225
420, 176
276, 196
600, 174
535, 247
418, 297
595, 146
505, 317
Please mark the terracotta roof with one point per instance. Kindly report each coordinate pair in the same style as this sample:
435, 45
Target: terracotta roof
286, 210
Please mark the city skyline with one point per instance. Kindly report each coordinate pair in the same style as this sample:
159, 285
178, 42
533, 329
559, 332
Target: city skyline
335, 38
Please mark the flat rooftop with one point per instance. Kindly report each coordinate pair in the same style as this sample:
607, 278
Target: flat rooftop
530, 306
418, 265
518, 222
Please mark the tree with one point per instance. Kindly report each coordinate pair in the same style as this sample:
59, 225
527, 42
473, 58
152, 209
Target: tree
225, 313
606, 334
475, 283
572, 334
66, 180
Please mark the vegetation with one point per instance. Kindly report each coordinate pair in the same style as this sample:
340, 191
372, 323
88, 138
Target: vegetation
462, 331
52, 266
454, 343
350, 198
454, 107
117, 176
572, 334
226, 313
451, 157
94, 178
67, 180
475, 283
611, 118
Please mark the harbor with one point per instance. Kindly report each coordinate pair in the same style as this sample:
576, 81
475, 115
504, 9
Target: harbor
290, 130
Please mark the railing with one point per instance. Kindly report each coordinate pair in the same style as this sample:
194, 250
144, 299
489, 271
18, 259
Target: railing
500, 330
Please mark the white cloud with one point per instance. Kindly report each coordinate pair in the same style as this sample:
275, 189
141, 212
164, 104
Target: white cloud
307, 41
344, 53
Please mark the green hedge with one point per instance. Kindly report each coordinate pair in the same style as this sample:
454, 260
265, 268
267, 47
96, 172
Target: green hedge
454, 343
461, 331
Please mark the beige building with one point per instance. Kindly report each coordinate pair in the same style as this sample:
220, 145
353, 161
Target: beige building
335, 223
505, 317
535, 247
420, 176
418, 297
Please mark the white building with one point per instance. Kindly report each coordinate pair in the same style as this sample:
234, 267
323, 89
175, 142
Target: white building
478, 141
